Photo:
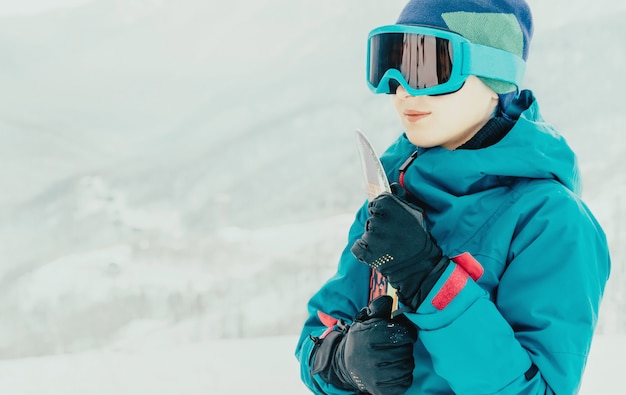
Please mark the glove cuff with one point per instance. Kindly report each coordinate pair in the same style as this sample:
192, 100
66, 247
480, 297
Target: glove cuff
412, 297
324, 362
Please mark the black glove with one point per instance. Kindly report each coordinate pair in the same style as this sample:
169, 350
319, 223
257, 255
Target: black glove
373, 355
396, 244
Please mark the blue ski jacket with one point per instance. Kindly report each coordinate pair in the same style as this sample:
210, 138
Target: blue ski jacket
525, 326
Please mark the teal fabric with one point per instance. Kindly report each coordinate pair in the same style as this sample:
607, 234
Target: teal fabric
493, 29
516, 207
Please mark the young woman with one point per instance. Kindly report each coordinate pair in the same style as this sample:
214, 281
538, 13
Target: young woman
499, 292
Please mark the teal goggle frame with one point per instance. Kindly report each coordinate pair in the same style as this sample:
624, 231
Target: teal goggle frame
428, 61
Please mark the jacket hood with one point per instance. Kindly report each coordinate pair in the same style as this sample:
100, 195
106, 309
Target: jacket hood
531, 150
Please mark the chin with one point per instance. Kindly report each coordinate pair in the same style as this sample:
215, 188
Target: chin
421, 143
417, 139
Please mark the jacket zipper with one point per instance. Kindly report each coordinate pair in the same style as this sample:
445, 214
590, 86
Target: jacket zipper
404, 166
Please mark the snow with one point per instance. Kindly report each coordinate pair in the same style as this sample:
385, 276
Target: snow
222, 367
227, 367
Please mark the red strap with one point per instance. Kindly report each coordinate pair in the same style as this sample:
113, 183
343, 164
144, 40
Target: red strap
451, 288
328, 321
470, 264
467, 266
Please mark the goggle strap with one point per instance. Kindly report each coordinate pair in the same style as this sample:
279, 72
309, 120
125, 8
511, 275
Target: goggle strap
481, 62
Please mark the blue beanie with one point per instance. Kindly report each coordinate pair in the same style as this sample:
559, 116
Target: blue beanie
503, 24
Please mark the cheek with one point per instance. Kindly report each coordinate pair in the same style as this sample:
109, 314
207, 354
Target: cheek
465, 111
396, 103
446, 125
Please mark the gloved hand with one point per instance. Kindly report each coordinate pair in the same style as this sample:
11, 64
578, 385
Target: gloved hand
373, 355
397, 245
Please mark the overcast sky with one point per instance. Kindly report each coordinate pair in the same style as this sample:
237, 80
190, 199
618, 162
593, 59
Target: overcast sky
548, 14
8, 7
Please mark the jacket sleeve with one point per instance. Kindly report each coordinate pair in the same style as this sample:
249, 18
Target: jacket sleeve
341, 298
533, 334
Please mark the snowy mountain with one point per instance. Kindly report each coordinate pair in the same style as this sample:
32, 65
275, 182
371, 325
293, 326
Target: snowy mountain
133, 137
190, 165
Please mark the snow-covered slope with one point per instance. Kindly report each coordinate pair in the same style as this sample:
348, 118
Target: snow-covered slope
227, 367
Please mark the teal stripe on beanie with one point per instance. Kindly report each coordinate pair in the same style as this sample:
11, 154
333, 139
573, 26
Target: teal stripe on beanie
495, 30
504, 24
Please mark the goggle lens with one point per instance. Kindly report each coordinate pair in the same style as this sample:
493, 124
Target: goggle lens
424, 61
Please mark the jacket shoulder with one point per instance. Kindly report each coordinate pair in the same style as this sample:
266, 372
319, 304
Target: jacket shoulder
548, 208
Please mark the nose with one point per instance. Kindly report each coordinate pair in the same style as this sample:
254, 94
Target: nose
402, 93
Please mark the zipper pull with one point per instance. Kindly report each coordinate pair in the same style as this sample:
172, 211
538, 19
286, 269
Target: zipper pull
404, 166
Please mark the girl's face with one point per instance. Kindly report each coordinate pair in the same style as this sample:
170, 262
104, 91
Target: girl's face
446, 120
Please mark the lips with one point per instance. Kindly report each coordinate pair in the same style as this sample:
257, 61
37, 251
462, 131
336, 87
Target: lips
413, 116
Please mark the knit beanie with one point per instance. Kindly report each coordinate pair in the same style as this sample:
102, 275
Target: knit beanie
503, 24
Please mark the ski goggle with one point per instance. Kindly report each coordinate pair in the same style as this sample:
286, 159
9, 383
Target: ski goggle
428, 61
